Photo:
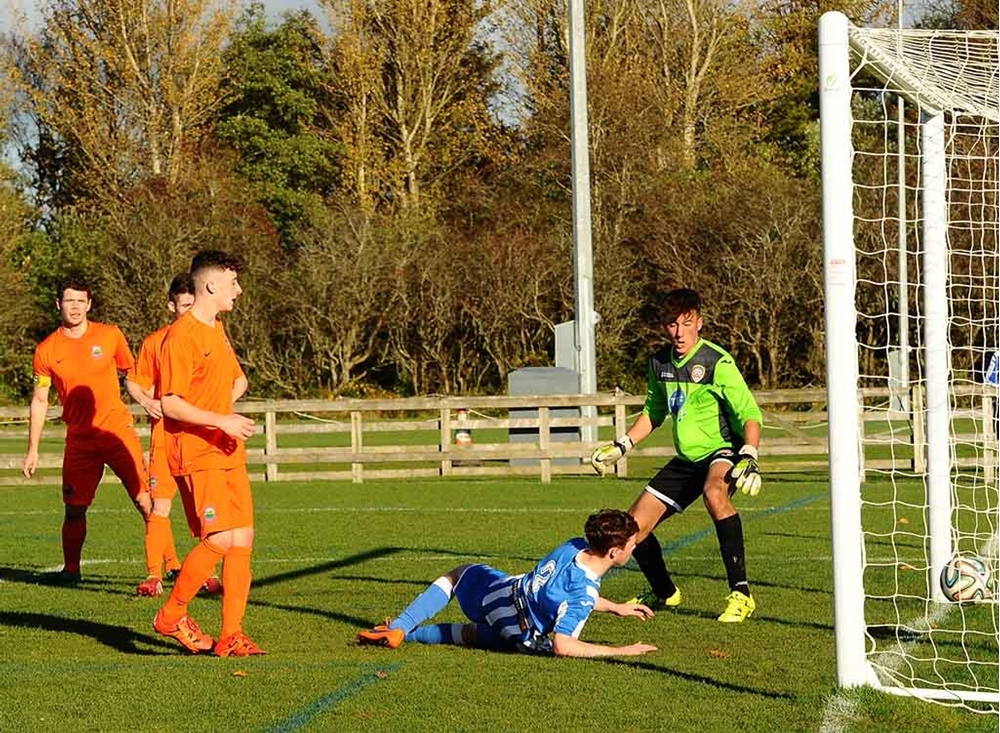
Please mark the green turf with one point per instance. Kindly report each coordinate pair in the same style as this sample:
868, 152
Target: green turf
333, 558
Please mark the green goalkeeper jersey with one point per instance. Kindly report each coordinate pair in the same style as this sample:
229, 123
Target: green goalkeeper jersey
706, 396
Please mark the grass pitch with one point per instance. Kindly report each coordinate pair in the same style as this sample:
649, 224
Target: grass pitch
334, 558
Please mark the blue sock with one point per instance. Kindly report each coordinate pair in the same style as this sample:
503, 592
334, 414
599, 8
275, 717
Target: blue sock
437, 634
425, 606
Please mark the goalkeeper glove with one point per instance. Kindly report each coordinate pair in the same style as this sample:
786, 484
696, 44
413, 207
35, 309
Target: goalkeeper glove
606, 456
746, 472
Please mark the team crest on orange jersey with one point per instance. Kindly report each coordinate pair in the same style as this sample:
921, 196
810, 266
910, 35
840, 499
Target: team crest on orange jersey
96, 351
209, 514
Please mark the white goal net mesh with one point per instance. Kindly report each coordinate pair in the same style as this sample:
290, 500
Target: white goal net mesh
915, 642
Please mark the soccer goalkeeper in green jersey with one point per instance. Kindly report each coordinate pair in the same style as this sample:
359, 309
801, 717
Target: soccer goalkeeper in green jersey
716, 426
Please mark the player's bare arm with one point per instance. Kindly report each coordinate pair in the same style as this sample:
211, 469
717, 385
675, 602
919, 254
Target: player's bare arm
37, 411
564, 645
240, 387
607, 456
751, 430
634, 610
177, 408
144, 398
640, 430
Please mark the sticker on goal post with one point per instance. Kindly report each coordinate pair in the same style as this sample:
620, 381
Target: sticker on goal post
993, 370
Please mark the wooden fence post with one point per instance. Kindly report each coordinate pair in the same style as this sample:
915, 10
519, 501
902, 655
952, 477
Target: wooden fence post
445, 440
620, 428
357, 443
270, 445
543, 444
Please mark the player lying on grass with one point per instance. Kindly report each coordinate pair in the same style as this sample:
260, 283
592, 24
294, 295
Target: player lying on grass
518, 612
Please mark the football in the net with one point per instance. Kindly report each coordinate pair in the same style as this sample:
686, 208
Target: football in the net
964, 579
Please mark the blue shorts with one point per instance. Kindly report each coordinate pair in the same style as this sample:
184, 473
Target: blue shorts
486, 596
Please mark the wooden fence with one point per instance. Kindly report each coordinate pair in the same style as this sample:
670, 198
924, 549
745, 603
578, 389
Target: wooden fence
529, 435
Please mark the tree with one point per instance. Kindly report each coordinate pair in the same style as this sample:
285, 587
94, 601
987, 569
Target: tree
415, 81
343, 299
22, 315
114, 91
960, 14
279, 115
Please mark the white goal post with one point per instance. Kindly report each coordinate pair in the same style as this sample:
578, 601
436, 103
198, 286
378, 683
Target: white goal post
910, 134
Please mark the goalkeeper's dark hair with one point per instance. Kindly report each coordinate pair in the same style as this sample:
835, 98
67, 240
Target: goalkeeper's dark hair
75, 280
183, 284
215, 259
609, 528
680, 301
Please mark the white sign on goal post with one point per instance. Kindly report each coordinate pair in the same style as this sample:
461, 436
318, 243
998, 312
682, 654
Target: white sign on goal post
898, 522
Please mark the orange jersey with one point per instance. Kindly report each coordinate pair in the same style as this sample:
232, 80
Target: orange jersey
146, 369
146, 373
85, 374
198, 363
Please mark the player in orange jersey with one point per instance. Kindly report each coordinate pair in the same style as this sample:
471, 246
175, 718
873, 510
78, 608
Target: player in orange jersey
83, 358
161, 552
199, 379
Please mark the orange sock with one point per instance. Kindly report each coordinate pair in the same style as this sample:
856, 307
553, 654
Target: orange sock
170, 559
235, 590
156, 526
74, 532
197, 568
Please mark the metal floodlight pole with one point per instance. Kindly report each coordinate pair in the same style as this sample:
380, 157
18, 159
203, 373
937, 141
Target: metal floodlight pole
583, 254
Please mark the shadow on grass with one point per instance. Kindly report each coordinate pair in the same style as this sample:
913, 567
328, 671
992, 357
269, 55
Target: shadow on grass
352, 560
117, 637
697, 678
797, 536
326, 567
462, 558
754, 582
422, 583
939, 637
757, 618
90, 583
320, 569
360, 623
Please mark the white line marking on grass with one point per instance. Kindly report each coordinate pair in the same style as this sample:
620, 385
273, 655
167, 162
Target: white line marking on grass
103, 561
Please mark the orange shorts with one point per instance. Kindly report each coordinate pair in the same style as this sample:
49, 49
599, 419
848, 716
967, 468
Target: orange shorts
216, 500
161, 484
84, 462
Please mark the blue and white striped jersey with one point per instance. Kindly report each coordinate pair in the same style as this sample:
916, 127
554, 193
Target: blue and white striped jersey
560, 593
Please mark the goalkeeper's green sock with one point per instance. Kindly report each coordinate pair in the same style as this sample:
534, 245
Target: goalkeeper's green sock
649, 557
730, 534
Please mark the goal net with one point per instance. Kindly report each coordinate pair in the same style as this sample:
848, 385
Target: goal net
910, 137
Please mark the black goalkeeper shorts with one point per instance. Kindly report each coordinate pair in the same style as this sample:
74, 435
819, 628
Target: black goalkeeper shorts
681, 481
